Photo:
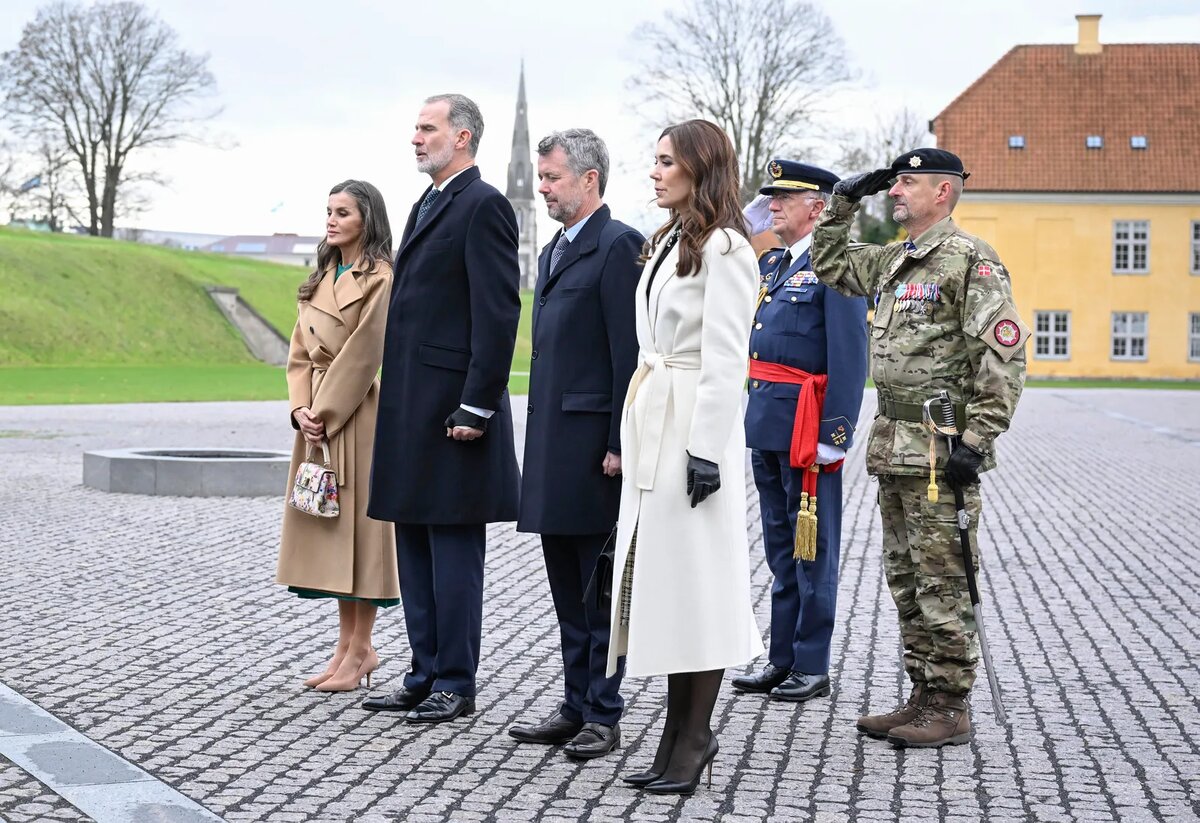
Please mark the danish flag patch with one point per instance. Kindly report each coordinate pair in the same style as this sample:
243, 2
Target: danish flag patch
984, 270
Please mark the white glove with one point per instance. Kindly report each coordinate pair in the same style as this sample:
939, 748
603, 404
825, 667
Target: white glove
758, 214
827, 454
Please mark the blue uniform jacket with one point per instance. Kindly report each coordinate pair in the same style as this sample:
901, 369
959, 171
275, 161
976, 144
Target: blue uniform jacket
803, 324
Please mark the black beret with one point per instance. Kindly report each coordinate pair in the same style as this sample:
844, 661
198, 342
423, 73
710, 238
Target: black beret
929, 161
788, 175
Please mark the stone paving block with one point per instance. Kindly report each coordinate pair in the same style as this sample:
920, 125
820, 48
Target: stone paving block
152, 625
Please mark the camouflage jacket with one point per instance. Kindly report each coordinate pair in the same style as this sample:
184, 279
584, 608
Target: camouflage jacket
944, 319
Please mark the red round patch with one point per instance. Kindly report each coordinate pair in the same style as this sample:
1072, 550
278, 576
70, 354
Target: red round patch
1007, 333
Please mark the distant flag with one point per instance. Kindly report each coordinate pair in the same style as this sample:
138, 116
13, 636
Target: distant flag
31, 183
277, 207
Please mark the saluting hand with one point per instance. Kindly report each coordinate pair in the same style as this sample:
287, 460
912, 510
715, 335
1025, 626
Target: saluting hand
858, 186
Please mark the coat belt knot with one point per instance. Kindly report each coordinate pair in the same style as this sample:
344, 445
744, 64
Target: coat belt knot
655, 373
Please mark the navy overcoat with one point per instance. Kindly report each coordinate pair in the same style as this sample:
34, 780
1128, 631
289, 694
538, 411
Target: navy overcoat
452, 326
584, 351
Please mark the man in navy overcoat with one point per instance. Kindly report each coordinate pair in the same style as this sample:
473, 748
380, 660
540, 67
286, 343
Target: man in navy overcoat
809, 338
584, 351
444, 462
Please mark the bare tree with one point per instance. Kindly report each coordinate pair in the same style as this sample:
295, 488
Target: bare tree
104, 80
760, 69
57, 196
876, 148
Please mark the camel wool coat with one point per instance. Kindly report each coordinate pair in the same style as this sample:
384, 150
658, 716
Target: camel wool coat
690, 608
333, 367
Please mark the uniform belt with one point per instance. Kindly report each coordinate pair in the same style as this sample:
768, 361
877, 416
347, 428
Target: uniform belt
912, 412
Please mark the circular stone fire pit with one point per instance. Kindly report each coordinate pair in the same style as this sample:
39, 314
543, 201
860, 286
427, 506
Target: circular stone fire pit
188, 472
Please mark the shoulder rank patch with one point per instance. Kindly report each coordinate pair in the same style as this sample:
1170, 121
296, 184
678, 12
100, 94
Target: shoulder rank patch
1007, 333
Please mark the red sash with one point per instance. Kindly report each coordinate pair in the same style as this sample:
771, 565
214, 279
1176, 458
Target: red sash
807, 425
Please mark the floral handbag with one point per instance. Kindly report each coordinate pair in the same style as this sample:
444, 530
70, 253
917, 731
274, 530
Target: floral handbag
315, 490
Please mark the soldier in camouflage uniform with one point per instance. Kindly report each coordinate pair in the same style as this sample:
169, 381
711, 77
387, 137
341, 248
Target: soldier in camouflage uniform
944, 319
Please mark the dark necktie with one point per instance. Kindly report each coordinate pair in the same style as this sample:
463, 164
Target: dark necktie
426, 205
785, 264
560, 249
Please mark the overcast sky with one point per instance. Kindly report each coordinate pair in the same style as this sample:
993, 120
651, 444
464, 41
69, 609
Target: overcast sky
316, 92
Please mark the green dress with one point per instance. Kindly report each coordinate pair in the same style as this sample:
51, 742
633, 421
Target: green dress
316, 594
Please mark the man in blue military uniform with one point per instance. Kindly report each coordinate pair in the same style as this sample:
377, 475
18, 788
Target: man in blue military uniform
808, 365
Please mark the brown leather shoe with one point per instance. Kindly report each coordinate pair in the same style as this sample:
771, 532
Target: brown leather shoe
944, 720
878, 725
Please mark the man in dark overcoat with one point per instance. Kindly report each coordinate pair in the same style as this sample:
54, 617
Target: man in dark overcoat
584, 351
444, 462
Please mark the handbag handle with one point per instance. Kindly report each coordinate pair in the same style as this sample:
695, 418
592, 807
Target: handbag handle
324, 451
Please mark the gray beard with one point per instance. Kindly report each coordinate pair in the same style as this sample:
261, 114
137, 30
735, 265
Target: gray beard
433, 163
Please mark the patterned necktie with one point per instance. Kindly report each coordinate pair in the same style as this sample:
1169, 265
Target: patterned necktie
426, 205
560, 248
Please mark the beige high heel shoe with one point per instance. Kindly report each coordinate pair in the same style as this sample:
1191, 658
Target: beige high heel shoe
329, 672
351, 679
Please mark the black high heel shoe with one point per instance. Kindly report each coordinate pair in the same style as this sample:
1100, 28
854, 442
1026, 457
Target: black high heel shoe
642, 778
688, 786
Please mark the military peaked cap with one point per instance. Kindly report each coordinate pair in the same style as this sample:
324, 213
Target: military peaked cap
788, 175
929, 161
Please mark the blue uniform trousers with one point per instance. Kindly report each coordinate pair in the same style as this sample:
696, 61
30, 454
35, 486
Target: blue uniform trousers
441, 588
804, 595
589, 696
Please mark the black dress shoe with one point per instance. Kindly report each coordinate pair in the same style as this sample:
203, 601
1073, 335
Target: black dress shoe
557, 729
593, 740
398, 701
800, 687
440, 707
764, 681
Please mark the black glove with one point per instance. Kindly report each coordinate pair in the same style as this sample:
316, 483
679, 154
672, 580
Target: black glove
462, 417
703, 478
962, 469
857, 186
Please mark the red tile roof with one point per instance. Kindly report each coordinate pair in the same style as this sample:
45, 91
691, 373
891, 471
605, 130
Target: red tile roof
1055, 98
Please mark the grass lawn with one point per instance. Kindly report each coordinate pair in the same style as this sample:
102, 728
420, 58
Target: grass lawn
1050, 383
51, 385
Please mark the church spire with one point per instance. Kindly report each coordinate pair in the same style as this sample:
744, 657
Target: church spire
520, 166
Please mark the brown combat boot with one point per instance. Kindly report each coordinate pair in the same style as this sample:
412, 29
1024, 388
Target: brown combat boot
944, 720
878, 725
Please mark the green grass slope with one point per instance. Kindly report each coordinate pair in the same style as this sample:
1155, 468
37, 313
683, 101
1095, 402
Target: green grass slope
71, 300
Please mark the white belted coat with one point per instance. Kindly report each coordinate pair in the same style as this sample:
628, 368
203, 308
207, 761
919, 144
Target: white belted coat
690, 609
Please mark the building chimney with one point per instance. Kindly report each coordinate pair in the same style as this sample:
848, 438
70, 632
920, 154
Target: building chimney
1089, 34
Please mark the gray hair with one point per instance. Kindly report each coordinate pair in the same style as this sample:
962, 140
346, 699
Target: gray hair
823, 196
585, 151
464, 114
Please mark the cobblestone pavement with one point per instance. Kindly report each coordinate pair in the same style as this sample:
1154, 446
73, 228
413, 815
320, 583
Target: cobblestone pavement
152, 626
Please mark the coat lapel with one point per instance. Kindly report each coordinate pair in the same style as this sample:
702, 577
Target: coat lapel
543, 265
347, 289
412, 230
585, 243
798, 265
324, 298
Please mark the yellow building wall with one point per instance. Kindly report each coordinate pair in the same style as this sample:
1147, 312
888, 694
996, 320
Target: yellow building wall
1060, 256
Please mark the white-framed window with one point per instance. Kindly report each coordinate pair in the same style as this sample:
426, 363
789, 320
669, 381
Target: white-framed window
1016, 141
1131, 246
1052, 335
1137, 141
1196, 247
1129, 335
1194, 337
1094, 141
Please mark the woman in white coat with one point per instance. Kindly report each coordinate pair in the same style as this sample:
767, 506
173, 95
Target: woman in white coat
682, 606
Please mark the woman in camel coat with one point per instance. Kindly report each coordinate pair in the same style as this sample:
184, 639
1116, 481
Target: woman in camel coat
333, 388
681, 604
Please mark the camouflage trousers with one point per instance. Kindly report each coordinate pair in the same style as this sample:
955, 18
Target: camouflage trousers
922, 560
